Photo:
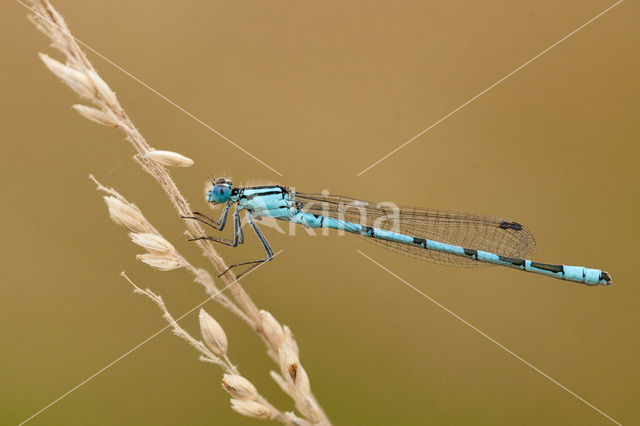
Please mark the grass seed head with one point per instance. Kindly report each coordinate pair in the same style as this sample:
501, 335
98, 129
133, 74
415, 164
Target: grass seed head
212, 333
239, 387
169, 158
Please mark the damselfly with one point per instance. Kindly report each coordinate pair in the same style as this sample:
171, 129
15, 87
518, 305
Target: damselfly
439, 236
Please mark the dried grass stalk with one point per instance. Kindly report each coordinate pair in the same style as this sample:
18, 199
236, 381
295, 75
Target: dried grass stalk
253, 404
79, 74
127, 214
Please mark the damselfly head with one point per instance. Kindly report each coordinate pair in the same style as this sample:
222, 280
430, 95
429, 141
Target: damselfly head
220, 191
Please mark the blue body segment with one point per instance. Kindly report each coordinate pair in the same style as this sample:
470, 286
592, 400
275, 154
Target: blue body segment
314, 211
571, 273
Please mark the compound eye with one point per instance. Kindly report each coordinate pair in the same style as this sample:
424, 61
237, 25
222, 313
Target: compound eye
219, 194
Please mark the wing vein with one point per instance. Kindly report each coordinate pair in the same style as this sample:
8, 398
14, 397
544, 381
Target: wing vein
475, 232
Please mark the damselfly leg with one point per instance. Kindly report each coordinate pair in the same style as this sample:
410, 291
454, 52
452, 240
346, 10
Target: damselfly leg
238, 237
218, 225
253, 263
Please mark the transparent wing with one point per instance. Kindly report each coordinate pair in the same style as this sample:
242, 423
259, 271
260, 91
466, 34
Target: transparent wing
492, 234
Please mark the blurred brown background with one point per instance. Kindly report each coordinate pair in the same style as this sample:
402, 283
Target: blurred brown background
319, 91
